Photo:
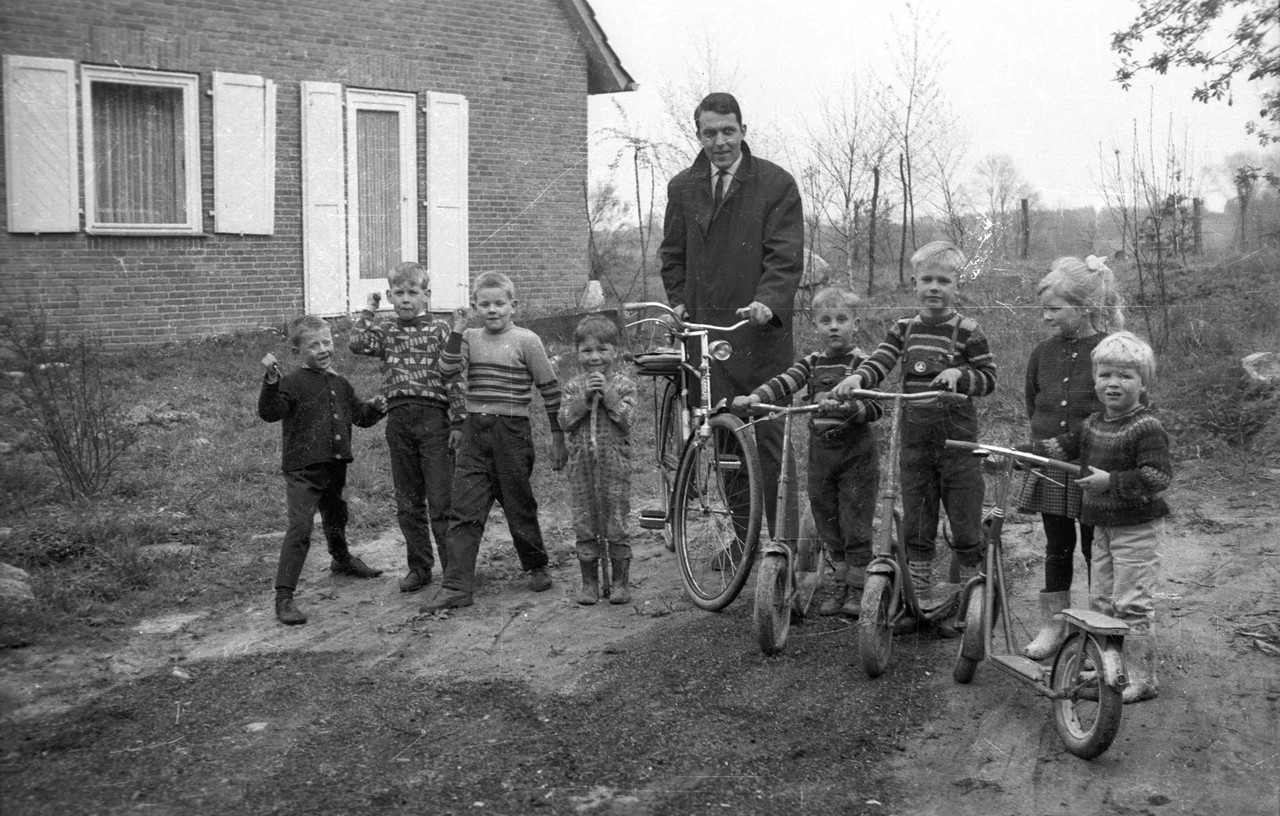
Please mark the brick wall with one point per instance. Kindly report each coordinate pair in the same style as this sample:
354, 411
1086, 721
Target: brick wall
517, 62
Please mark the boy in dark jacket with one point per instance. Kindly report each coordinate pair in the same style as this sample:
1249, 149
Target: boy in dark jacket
317, 408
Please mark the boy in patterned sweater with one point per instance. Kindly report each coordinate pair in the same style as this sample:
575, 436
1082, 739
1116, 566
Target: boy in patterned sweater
844, 463
1127, 453
425, 412
502, 364
938, 349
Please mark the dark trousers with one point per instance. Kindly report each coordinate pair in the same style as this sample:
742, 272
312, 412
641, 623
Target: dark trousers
844, 484
494, 464
422, 470
933, 474
306, 490
1060, 549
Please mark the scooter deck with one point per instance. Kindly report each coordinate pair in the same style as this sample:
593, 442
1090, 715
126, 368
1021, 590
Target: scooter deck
1020, 666
1095, 622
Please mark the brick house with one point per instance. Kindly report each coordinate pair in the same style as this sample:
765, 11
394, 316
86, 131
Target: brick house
176, 169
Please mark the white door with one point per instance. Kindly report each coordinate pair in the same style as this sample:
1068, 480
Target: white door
382, 193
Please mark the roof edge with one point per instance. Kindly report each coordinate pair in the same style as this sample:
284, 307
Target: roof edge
605, 73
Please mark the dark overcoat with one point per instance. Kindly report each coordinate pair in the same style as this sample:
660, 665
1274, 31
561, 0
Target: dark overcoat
751, 250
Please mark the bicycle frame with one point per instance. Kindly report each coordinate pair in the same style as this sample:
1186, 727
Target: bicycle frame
693, 419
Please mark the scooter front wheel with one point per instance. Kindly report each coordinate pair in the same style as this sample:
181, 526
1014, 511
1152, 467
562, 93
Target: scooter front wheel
772, 614
1087, 714
875, 634
971, 646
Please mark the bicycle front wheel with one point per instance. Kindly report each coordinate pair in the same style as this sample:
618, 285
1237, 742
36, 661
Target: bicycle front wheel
772, 611
875, 635
1087, 716
716, 504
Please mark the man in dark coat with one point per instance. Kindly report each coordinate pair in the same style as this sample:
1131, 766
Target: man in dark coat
738, 248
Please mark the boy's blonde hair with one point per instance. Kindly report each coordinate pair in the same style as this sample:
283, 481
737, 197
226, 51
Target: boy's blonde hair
597, 326
1089, 286
835, 297
942, 254
1128, 350
494, 280
410, 272
304, 324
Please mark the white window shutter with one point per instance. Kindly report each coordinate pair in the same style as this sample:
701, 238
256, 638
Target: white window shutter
448, 255
244, 154
40, 147
324, 229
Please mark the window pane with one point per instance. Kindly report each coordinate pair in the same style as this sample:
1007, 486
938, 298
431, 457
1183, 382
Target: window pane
138, 149
378, 174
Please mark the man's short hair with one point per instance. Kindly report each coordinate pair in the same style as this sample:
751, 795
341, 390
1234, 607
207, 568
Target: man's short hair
410, 272
718, 102
943, 254
597, 326
304, 324
835, 297
494, 280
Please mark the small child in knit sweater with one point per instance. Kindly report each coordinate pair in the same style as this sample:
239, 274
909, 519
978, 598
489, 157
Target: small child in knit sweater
1127, 453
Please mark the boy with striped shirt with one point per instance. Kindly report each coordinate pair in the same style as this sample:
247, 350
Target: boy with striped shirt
502, 364
939, 349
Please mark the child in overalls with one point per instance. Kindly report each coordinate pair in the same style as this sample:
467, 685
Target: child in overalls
939, 349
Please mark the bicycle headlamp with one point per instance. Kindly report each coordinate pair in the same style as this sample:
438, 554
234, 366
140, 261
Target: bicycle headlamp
720, 350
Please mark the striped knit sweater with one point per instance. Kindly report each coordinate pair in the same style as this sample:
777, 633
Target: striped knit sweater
925, 345
410, 354
501, 371
1134, 449
820, 373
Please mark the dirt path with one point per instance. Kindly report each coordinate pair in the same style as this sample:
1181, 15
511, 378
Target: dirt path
1210, 743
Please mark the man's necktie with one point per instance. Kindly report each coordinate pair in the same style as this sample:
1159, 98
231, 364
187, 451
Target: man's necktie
722, 179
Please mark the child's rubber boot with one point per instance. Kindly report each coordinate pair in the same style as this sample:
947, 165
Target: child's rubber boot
856, 581
839, 590
921, 575
590, 592
1053, 629
620, 586
286, 612
1140, 666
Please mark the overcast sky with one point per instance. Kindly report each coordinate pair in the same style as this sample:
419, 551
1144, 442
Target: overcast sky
1031, 79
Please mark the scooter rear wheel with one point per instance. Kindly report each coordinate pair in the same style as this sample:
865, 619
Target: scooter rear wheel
1087, 716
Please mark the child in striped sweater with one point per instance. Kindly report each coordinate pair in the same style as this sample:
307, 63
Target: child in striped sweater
502, 364
1127, 452
938, 349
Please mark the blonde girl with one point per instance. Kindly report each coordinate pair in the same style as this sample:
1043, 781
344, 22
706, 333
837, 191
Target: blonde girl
1080, 304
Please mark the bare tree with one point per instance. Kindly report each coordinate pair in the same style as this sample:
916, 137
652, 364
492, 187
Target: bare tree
1001, 187
844, 145
1147, 190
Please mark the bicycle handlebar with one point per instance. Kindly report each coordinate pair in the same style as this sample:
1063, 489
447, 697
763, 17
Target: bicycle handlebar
1018, 456
681, 324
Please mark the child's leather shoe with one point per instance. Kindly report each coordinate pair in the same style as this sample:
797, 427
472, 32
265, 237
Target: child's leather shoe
539, 580
446, 599
416, 579
354, 567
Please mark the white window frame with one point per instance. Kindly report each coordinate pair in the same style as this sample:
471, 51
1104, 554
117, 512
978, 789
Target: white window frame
189, 84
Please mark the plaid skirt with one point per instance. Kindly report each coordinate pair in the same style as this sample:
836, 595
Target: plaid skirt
1049, 491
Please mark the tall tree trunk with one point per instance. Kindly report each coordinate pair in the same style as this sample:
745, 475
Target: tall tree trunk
871, 239
902, 249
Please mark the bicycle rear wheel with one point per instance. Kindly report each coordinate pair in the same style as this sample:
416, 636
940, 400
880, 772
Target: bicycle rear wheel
875, 635
772, 614
716, 504
1088, 716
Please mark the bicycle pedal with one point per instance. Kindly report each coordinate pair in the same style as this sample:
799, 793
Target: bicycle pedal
653, 519
729, 462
